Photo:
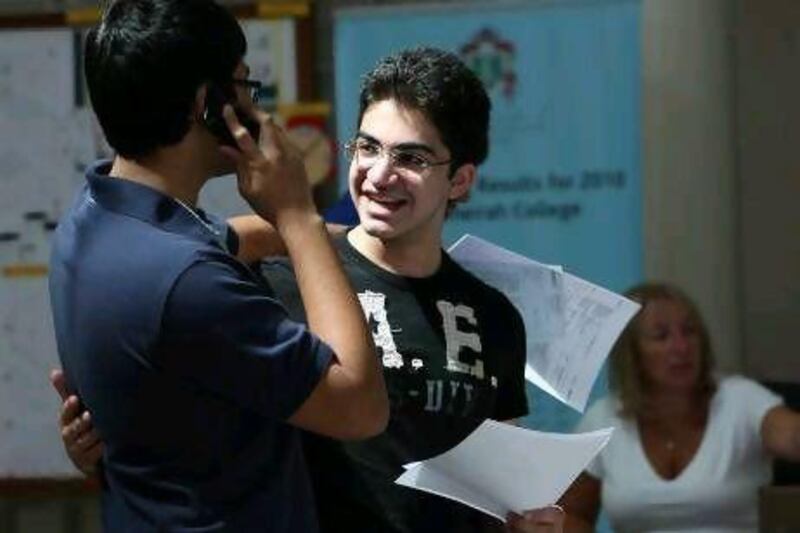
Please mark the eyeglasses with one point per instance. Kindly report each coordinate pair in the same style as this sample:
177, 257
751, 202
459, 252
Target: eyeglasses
367, 152
255, 87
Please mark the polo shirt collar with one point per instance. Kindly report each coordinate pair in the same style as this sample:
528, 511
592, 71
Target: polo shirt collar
144, 203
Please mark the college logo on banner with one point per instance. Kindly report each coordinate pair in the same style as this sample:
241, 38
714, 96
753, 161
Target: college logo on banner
492, 59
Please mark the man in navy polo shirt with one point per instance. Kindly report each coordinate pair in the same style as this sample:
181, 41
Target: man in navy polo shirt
196, 378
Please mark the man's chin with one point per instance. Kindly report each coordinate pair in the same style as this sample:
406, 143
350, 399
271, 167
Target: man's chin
377, 228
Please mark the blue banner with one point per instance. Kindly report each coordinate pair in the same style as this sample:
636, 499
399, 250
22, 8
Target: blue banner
562, 182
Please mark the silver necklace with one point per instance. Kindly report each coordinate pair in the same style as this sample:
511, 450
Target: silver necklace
214, 231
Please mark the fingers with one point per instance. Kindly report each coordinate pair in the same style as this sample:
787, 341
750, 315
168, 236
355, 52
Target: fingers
552, 513
81, 442
70, 410
59, 382
77, 430
247, 145
546, 519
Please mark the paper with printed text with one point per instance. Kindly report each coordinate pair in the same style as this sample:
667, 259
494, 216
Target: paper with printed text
570, 323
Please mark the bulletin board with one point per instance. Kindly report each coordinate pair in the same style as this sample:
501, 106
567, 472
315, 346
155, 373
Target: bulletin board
48, 136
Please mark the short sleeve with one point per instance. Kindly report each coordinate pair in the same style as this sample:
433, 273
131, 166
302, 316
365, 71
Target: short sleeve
224, 334
752, 400
512, 401
598, 416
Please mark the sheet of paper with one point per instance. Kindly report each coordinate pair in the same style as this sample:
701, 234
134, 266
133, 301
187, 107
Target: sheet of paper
570, 362
518, 278
570, 324
533, 470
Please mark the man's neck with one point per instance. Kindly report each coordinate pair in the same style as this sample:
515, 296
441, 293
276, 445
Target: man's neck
175, 171
415, 258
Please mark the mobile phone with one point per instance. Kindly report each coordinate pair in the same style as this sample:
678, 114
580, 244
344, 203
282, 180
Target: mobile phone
216, 99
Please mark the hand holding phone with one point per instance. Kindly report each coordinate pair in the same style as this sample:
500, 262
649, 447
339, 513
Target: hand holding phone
270, 172
215, 122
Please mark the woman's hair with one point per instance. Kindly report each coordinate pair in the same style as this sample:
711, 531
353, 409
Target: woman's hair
626, 374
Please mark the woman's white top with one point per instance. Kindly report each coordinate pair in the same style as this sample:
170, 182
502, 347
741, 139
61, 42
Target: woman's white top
716, 492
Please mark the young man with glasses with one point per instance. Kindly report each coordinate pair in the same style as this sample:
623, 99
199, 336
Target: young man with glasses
196, 378
452, 348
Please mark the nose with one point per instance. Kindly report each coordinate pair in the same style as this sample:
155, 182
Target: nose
381, 173
680, 342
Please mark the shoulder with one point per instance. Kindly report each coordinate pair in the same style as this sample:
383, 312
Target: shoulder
742, 403
745, 392
468, 283
741, 389
210, 272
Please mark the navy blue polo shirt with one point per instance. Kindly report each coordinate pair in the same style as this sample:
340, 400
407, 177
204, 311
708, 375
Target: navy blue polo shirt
187, 363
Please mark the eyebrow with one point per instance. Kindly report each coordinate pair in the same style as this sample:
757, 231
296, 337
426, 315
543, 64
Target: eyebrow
422, 147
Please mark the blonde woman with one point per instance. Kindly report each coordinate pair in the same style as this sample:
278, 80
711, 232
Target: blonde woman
689, 450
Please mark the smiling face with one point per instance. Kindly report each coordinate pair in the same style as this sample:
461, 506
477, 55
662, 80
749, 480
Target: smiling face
396, 203
670, 346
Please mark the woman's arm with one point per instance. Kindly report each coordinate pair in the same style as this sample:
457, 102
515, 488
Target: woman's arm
780, 433
581, 503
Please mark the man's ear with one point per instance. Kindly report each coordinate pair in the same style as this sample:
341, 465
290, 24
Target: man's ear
199, 108
461, 182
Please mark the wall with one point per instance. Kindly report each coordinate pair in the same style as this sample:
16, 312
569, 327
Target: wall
768, 109
689, 172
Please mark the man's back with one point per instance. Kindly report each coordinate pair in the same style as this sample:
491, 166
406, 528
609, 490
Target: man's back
188, 367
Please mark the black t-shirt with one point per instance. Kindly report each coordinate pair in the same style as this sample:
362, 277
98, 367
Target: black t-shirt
453, 352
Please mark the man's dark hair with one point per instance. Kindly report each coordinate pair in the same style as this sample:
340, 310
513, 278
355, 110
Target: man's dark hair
145, 61
439, 85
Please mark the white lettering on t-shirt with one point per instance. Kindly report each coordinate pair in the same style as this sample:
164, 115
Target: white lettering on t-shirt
435, 388
459, 401
457, 339
374, 306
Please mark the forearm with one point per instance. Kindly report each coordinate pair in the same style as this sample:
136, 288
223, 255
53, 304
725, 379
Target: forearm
780, 432
581, 502
332, 309
792, 452
575, 524
259, 239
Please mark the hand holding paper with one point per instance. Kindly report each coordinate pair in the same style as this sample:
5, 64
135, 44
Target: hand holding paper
501, 468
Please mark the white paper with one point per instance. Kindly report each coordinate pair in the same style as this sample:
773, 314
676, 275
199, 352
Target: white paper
518, 278
501, 468
570, 323
570, 362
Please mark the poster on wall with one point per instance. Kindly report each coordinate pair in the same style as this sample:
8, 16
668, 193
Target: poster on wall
46, 141
562, 181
